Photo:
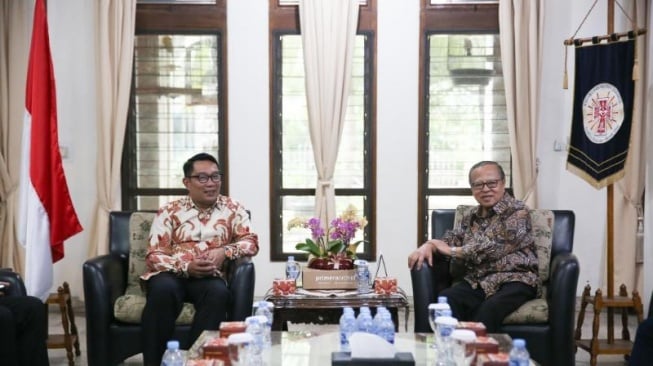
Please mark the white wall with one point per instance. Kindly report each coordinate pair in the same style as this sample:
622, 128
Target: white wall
397, 118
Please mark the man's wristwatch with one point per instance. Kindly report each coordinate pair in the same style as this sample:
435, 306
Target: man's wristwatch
453, 252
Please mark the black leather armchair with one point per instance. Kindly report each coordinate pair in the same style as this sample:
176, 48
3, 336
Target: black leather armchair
110, 341
16, 286
549, 343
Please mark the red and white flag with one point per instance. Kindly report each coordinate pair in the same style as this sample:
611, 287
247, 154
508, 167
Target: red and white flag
47, 216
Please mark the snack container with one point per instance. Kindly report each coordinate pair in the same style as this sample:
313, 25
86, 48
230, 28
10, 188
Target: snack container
229, 328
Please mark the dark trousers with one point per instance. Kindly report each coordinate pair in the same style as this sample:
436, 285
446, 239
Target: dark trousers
23, 331
469, 304
166, 294
642, 352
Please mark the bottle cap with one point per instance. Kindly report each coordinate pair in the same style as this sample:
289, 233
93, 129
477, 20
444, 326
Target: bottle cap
518, 342
291, 258
173, 344
442, 299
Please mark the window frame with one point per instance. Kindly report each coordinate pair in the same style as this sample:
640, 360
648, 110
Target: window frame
182, 19
284, 19
434, 19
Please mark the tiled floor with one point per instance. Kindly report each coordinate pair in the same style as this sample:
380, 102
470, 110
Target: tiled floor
58, 357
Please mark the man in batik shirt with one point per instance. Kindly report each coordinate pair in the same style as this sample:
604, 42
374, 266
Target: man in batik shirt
496, 247
189, 241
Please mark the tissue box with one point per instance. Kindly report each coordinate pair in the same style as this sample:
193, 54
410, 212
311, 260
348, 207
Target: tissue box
283, 287
486, 345
216, 348
477, 327
229, 328
493, 359
385, 285
344, 359
335, 279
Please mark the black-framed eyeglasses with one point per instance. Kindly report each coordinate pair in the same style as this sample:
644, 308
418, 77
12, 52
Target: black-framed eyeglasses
203, 178
491, 184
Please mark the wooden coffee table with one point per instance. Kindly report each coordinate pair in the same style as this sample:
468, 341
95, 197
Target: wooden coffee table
325, 307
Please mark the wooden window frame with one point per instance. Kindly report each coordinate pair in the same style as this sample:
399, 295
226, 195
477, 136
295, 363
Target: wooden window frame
183, 19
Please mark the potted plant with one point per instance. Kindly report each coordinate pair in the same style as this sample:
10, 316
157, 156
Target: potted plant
333, 248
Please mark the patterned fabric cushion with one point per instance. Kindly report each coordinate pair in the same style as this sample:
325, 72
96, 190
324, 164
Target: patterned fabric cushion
534, 311
129, 307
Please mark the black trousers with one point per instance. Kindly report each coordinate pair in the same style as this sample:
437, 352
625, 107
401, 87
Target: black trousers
166, 294
642, 352
23, 331
469, 304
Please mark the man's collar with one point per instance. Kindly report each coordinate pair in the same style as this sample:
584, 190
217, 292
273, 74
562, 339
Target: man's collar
219, 203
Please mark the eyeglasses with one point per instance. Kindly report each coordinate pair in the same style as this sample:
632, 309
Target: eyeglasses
491, 184
203, 178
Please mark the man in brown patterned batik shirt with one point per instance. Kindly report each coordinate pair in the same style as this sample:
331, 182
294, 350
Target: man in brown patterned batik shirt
495, 245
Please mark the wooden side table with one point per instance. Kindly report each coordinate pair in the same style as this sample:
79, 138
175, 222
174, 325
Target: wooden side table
69, 338
303, 307
596, 346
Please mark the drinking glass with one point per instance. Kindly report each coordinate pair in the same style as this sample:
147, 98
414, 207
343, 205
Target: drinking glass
433, 313
239, 348
463, 346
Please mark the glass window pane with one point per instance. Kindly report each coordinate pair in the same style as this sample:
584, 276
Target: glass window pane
176, 105
466, 110
297, 151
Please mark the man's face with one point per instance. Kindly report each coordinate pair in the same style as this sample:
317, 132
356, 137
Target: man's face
487, 186
203, 194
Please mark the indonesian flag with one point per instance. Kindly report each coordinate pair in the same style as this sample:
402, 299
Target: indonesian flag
47, 216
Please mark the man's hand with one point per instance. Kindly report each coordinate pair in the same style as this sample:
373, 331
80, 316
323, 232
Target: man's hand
201, 267
207, 263
425, 252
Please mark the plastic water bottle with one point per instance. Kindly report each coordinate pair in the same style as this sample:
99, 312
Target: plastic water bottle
445, 326
347, 327
364, 321
265, 320
377, 322
518, 354
362, 276
292, 268
387, 327
172, 356
255, 350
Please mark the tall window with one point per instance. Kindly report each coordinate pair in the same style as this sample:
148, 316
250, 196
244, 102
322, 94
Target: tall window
462, 103
293, 166
178, 99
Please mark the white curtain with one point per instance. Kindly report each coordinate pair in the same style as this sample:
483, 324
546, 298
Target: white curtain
628, 191
520, 25
115, 21
15, 30
328, 31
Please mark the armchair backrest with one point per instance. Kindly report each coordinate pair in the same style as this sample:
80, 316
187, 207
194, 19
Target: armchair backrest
119, 233
16, 286
563, 228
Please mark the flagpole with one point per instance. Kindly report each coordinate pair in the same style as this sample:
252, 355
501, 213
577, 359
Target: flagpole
610, 188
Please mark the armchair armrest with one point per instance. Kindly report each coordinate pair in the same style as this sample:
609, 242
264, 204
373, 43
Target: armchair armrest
104, 281
561, 299
16, 286
427, 283
241, 277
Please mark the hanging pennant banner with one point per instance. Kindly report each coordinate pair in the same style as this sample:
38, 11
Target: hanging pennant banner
602, 115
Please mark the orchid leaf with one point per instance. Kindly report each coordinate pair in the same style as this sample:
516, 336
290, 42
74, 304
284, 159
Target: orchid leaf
336, 246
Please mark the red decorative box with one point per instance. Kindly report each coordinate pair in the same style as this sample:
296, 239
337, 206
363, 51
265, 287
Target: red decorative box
216, 348
493, 359
486, 345
203, 362
477, 327
229, 328
385, 285
283, 287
